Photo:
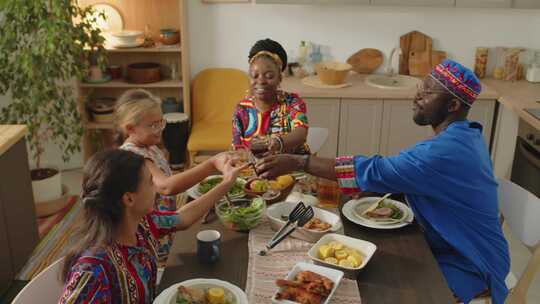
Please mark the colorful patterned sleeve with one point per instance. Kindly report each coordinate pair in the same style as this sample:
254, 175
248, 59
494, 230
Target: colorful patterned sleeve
298, 112
237, 128
346, 175
87, 283
163, 223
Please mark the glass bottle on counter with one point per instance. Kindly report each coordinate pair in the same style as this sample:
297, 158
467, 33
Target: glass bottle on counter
480, 62
498, 72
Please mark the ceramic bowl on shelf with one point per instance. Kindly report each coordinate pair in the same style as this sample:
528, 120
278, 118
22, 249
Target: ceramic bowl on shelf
143, 72
169, 36
102, 109
127, 37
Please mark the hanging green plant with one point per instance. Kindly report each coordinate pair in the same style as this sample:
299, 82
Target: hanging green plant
45, 48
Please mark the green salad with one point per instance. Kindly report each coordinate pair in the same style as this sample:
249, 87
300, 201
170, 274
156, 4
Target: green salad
207, 185
241, 218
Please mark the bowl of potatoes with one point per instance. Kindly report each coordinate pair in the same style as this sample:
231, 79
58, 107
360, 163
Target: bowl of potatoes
341, 252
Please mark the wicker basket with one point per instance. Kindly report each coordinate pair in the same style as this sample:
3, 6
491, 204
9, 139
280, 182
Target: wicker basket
332, 73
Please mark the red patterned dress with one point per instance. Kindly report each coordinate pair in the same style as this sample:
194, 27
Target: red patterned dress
120, 274
282, 118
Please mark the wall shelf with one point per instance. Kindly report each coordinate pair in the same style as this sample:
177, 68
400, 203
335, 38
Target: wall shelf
120, 83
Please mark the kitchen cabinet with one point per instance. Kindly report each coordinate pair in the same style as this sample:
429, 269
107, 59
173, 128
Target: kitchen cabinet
325, 113
399, 130
484, 3
312, 1
367, 127
18, 226
360, 127
526, 4
483, 111
439, 3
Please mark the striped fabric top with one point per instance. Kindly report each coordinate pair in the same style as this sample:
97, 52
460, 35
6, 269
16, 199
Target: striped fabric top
282, 118
120, 274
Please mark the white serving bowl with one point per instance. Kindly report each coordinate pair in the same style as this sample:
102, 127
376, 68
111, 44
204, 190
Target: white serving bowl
334, 275
274, 213
367, 249
127, 37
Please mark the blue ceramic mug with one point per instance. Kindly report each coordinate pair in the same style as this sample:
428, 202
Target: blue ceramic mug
208, 242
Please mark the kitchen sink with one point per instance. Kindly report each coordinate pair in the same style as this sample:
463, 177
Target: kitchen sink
392, 82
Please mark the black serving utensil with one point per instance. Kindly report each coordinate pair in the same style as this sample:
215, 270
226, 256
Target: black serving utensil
300, 220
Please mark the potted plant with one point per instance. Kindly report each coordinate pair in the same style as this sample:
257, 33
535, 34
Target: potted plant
46, 47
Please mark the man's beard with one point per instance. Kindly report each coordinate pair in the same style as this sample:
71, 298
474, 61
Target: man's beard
434, 119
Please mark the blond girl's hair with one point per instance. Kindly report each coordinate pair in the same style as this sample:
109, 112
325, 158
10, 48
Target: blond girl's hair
130, 108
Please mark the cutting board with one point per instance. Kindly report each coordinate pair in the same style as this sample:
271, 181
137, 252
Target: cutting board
422, 62
412, 42
366, 61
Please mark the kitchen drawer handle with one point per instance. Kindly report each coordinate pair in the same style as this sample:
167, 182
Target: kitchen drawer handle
531, 156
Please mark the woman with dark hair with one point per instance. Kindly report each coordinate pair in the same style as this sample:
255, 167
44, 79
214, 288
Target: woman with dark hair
114, 259
267, 112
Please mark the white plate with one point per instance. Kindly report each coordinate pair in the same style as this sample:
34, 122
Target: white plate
112, 22
361, 208
275, 211
350, 213
332, 274
168, 296
194, 193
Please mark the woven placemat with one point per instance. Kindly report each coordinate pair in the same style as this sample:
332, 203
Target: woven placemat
263, 271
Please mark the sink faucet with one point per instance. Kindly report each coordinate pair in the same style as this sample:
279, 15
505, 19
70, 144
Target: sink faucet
389, 70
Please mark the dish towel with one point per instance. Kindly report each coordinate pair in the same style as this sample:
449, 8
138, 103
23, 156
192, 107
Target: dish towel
263, 271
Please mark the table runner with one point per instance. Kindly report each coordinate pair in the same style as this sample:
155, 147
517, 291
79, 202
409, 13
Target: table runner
264, 270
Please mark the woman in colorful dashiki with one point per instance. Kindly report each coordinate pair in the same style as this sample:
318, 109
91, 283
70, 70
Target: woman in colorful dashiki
115, 257
268, 112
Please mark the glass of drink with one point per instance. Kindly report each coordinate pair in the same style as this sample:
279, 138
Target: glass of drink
328, 193
240, 157
259, 146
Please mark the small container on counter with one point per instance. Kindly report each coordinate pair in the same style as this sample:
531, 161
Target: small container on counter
480, 62
498, 71
511, 64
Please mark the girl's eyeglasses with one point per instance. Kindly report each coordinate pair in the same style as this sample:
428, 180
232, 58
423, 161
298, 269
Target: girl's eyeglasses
157, 126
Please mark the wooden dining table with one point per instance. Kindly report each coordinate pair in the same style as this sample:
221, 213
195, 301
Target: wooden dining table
402, 270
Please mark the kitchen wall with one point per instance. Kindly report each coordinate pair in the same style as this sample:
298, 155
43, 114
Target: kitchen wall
221, 34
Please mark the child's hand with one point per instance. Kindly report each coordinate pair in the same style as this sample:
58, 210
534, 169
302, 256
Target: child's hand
230, 173
219, 160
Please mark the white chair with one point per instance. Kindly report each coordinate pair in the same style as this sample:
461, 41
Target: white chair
45, 288
316, 138
520, 210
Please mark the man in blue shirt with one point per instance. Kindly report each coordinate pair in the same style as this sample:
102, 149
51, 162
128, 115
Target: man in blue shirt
447, 180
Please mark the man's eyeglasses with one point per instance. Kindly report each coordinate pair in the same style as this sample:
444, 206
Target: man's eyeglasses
421, 91
157, 126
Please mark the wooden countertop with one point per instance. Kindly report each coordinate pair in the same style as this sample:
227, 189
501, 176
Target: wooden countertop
360, 90
9, 135
516, 95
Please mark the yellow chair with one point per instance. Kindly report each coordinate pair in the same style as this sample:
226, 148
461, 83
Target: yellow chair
215, 93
